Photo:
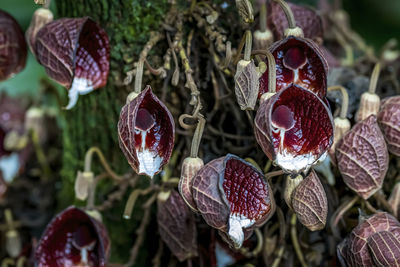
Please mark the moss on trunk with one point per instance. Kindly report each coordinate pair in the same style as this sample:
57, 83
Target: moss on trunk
93, 121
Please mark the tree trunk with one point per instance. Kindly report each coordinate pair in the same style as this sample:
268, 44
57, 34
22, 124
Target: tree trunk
93, 121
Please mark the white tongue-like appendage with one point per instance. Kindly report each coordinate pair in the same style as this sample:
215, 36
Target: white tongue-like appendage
289, 162
149, 161
236, 225
9, 166
80, 86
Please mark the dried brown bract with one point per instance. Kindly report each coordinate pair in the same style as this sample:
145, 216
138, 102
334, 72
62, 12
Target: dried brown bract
389, 121
177, 226
310, 203
362, 157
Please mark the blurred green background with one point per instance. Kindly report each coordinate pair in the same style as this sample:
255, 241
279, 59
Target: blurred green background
376, 21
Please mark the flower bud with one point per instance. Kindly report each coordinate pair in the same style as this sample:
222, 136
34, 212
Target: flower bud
190, 167
292, 181
41, 17
369, 105
83, 182
389, 121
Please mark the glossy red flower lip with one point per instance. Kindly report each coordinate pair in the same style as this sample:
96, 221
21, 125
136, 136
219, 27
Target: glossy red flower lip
232, 196
75, 52
73, 238
146, 132
298, 61
294, 128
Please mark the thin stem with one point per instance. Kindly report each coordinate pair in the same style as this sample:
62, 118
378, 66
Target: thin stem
379, 196
194, 150
295, 241
263, 17
40, 155
288, 13
248, 45
240, 48
279, 256
130, 204
157, 72
139, 76
257, 249
273, 174
338, 214
345, 99
9, 219
271, 72
88, 163
374, 78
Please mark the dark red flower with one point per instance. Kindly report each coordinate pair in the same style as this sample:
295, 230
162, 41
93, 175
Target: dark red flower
73, 238
298, 61
294, 128
232, 196
12, 46
75, 52
146, 132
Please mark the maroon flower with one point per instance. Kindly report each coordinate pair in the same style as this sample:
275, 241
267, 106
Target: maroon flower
233, 197
75, 52
306, 18
298, 61
360, 247
12, 46
294, 128
73, 238
389, 121
146, 132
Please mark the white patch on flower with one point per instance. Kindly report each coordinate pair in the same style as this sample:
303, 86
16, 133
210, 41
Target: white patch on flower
296, 76
292, 162
236, 225
9, 166
223, 258
80, 86
149, 161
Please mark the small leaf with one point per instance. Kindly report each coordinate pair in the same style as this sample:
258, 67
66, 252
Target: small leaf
177, 226
362, 157
246, 87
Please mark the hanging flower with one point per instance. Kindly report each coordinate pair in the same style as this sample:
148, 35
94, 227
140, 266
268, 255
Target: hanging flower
146, 132
75, 53
294, 128
73, 238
